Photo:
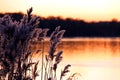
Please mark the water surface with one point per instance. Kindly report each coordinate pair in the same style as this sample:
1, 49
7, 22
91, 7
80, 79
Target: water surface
93, 58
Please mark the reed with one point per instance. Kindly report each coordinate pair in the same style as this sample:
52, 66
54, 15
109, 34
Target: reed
16, 53
15, 47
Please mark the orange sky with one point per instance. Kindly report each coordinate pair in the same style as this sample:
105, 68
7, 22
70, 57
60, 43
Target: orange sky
89, 10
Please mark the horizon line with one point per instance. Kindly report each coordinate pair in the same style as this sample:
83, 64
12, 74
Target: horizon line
64, 18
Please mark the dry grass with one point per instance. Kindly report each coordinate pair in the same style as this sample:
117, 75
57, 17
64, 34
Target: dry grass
16, 54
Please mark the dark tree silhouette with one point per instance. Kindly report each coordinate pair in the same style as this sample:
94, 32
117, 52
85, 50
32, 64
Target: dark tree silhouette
78, 28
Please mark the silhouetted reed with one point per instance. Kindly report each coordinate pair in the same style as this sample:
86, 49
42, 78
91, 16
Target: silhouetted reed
16, 54
53, 58
15, 47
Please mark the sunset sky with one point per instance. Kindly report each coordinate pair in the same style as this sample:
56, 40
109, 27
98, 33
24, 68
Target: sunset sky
89, 50
88, 10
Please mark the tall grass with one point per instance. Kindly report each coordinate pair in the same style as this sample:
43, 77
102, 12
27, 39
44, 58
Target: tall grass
16, 54
53, 58
15, 50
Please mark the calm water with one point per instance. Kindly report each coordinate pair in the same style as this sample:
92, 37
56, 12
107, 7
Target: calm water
92, 58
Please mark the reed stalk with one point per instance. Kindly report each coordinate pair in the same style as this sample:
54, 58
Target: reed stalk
42, 59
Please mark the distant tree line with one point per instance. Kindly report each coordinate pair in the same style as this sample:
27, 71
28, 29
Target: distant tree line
77, 28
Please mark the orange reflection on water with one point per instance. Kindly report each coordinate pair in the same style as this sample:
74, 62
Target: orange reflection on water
93, 59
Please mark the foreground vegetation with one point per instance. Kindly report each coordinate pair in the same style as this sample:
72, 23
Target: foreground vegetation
16, 54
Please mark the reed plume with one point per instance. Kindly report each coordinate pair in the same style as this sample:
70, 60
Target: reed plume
66, 70
16, 54
15, 46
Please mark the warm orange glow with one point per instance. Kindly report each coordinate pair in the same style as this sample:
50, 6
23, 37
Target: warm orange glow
89, 10
92, 58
